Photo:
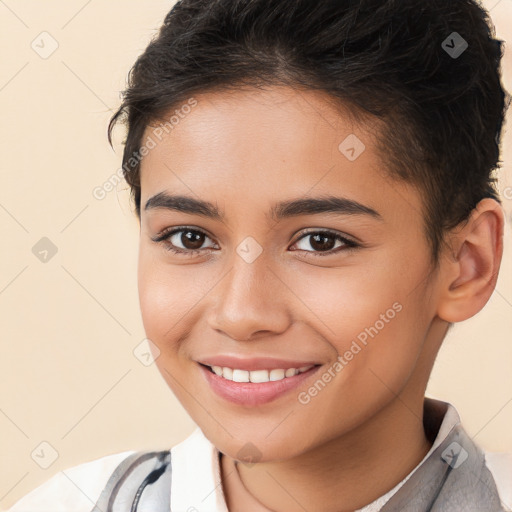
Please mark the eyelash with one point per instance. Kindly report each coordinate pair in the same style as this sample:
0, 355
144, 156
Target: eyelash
166, 234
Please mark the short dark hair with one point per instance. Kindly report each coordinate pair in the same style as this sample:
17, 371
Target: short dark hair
397, 62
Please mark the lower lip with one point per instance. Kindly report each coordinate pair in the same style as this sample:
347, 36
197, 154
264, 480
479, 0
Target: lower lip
249, 393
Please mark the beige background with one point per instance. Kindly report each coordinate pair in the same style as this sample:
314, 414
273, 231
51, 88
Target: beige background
69, 326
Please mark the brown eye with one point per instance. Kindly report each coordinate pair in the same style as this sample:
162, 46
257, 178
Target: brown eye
191, 239
324, 243
183, 240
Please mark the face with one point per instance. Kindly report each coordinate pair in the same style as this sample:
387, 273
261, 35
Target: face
304, 251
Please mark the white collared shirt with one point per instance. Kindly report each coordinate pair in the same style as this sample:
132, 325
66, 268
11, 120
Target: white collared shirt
196, 478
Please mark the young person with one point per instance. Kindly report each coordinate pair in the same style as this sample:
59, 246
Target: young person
314, 184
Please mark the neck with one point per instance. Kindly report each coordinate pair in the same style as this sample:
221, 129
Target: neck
334, 477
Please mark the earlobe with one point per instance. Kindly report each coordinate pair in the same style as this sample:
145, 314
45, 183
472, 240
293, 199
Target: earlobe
472, 271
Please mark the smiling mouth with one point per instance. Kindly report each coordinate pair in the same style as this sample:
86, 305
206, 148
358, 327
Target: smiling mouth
256, 376
250, 388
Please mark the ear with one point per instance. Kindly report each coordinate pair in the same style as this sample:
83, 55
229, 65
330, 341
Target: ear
471, 265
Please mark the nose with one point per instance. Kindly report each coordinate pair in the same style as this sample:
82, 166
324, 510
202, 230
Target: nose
250, 301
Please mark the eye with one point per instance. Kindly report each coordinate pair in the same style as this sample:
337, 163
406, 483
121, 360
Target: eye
323, 242
190, 240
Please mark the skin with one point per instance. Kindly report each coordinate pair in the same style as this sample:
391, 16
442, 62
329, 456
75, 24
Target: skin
243, 151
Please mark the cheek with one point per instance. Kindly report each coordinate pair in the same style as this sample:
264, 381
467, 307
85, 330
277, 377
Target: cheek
343, 302
169, 296
161, 297
374, 318
393, 348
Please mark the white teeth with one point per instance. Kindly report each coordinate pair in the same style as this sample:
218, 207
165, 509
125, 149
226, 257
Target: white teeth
277, 374
256, 376
259, 376
240, 376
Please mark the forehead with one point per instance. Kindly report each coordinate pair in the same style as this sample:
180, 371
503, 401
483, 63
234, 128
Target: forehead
291, 123
251, 145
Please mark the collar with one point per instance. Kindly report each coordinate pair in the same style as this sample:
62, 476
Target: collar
196, 480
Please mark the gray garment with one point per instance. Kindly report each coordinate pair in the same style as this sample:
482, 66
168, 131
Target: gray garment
141, 483
454, 478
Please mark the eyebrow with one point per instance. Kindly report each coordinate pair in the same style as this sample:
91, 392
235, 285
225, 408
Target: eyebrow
279, 211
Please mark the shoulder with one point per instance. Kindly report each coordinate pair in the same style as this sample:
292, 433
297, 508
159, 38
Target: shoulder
500, 466
78, 488
74, 489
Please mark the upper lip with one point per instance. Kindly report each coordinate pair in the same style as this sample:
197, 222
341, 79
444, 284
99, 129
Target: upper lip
254, 363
